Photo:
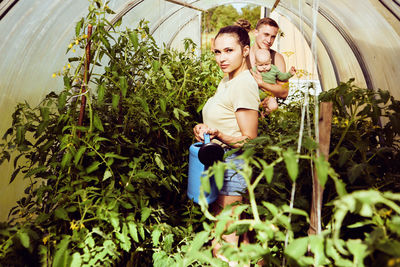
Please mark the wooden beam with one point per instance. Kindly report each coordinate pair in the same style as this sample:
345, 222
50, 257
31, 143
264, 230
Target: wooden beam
325, 125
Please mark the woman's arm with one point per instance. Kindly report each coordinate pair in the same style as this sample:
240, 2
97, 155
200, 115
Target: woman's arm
248, 123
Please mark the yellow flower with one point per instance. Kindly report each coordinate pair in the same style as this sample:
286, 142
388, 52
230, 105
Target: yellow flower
73, 50
81, 226
288, 53
70, 45
143, 35
76, 41
64, 68
54, 75
193, 50
73, 225
69, 66
45, 239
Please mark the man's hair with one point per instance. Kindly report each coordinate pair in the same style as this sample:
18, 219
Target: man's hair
267, 21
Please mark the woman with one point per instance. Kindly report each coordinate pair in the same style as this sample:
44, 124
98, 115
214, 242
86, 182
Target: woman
231, 115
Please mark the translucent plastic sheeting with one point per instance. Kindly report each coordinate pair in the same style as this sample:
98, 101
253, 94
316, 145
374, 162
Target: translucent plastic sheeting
358, 38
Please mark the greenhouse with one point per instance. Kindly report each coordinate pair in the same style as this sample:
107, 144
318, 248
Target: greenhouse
104, 103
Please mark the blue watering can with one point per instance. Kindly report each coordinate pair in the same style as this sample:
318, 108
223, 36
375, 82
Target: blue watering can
200, 157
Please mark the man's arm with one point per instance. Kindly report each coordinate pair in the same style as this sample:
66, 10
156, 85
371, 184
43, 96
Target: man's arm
280, 89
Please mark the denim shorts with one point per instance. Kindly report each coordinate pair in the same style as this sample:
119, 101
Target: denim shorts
234, 183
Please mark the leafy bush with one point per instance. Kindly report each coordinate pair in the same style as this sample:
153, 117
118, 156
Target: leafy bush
113, 190
117, 192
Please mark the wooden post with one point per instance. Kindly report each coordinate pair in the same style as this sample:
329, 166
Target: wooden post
325, 123
85, 79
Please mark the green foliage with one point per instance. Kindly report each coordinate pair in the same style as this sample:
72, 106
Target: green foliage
219, 17
251, 13
225, 15
109, 196
112, 191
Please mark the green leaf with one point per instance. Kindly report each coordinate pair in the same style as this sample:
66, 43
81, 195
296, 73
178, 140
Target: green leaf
141, 231
167, 73
14, 174
105, 42
115, 100
145, 214
144, 104
101, 90
24, 238
94, 166
114, 220
124, 239
271, 207
156, 65
297, 248
205, 182
291, 163
113, 155
35, 171
20, 134
355, 171
97, 122
62, 100
107, 174
61, 213
44, 113
79, 154
268, 170
155, 236
66, 159
163, 104
344, 156
322, 167
158, 160
219, 170
123, 85
168, 134
198, 242
390, 246
61, 253
76, 260
133, 231
168, 241
134, 39
358, 249
78, 27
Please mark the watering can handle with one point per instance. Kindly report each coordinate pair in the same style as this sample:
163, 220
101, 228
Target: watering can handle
206, 138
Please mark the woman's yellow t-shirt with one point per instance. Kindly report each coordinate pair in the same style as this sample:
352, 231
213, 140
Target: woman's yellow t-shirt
231, 95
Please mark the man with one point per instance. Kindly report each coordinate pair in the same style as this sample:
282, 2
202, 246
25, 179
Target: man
265, 33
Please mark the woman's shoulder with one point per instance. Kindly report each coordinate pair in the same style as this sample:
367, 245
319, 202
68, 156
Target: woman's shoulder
248, 79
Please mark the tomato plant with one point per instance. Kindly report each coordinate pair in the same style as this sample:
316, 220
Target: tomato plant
113, 190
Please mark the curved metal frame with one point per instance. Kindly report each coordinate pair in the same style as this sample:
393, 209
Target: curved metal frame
6, 6
322, 12
356, 51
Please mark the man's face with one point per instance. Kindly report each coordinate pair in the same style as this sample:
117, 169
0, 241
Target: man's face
265, 36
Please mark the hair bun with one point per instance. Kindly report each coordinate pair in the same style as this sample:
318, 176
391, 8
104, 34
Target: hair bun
245, 24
